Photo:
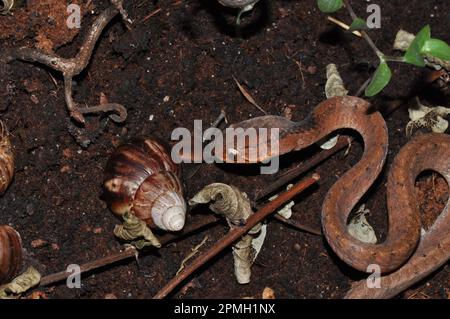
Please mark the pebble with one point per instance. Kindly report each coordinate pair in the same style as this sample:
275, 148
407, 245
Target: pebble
268, 293
38, 243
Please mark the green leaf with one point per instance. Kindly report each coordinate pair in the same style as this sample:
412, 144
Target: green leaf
413, 54
436, 48
380, 79
329, 6
358, 24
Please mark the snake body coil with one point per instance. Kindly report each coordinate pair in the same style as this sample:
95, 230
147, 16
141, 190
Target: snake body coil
404, 220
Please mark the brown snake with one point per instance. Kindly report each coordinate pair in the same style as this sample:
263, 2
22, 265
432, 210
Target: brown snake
430, 151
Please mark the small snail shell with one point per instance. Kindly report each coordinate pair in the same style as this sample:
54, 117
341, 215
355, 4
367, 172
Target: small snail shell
6, 159
10, 253
142, 179
237, 3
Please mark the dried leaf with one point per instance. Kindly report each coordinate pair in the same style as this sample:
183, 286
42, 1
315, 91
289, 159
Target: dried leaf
133, 228
286, 211
333, 87
247, 96
360, 228
235, 206
422, 116
29, 279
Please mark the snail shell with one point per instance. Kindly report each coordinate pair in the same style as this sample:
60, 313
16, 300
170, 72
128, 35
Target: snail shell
6, 159
10, 253
142, 179
237, 3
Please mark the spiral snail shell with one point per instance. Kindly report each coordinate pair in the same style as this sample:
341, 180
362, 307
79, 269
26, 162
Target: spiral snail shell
10, 253
237, 3
142, 179
6, 159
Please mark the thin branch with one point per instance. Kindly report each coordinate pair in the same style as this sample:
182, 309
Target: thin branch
297, 225
131, 252
235, 234
344, 26
363, 33
74, 66
364, 86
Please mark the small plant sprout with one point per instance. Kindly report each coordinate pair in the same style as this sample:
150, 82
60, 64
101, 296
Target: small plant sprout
421, 48
242, 5
403, 41
426, 117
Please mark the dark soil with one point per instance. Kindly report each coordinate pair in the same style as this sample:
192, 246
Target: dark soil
189, 52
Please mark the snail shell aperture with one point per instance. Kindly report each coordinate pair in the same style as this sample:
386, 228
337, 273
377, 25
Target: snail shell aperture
10, 253
142, 179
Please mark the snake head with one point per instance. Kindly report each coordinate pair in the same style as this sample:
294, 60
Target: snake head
256, 140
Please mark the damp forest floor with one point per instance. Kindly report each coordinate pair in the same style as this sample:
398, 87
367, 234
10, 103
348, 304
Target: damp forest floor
175, 65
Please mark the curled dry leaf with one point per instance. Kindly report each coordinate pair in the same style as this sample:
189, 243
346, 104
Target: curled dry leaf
228, 201
360, 228
422, 116
29, 279
333, 87
135, 230
286, 211
234, 205
7, 6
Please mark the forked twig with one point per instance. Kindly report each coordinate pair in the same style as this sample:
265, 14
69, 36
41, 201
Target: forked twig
74, 66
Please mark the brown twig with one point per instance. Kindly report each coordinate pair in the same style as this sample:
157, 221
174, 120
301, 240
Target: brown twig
298, 225
151, 15
235, 234
108, 260
130, 252
73, 66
